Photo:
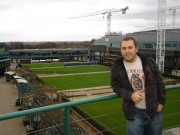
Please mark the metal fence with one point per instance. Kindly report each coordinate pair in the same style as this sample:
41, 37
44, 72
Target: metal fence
42, 116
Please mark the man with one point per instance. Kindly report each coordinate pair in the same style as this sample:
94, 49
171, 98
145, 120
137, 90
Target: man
137, 79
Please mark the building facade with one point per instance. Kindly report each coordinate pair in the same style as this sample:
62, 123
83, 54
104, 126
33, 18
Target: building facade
4, 59
107, 48
48, 55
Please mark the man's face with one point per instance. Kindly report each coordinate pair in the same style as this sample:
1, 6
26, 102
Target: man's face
128, 50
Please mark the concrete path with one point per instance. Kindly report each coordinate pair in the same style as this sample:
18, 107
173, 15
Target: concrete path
8, 95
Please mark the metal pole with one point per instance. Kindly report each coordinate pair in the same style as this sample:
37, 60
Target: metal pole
66, 123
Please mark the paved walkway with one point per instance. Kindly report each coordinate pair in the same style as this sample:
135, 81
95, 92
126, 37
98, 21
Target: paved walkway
8, 95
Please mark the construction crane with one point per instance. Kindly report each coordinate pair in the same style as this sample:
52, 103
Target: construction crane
171, 9
174, 15
161, 27
103, 12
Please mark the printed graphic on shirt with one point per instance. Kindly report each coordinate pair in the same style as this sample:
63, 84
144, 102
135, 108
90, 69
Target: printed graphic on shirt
137, 79
136, 82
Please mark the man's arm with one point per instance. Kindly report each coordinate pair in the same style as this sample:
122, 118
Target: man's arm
161, 92
117, 86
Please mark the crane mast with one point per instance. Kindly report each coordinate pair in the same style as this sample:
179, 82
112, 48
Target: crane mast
173, 17
161, 24
103, 12
173, 10
108, 22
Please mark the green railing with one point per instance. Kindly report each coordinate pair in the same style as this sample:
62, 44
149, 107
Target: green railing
67, 106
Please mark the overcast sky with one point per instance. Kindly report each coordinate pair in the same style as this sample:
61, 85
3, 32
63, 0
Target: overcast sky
49, 20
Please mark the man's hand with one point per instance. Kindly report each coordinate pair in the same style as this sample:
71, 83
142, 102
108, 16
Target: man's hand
160, 107
136, 97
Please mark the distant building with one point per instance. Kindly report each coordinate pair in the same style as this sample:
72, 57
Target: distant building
48, 55
4, 59
106, 49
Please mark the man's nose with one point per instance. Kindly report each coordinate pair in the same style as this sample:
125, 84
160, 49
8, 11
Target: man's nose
126, 50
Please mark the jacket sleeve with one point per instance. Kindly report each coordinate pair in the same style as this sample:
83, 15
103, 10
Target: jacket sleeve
161, 91
117, 86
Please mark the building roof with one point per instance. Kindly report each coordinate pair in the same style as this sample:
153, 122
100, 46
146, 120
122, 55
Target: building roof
49, 50
171, 35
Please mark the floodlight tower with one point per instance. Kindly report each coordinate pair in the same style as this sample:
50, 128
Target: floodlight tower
161, 33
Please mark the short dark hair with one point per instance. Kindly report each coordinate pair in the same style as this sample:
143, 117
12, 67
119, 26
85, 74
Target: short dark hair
129, 38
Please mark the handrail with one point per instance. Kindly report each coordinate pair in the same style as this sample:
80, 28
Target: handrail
66, 106
63, 105
172, 87
54, 107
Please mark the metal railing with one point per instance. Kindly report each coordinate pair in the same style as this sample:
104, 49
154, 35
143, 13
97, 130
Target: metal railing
66, 106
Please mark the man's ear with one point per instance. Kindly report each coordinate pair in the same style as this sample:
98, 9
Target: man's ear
136, 48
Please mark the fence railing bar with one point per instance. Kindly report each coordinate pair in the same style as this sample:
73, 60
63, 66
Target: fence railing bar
63, 105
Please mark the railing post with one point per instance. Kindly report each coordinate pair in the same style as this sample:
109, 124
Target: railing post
66, 121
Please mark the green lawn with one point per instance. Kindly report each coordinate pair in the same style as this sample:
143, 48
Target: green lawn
71, 69
110, 112
172, 109
78, 81
42, 65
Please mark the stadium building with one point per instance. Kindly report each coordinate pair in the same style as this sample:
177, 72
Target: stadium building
48, 55
106, 49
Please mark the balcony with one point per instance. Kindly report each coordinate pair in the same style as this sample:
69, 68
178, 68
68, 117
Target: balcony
64, 118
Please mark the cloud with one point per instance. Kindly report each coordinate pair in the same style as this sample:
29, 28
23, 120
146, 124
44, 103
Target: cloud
48, 20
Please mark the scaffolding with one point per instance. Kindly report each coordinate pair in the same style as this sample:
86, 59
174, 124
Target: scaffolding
47, 123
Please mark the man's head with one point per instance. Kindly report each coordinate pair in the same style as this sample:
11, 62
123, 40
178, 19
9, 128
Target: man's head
129, 49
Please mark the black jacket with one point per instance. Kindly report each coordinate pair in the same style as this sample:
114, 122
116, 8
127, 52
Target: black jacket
154, 86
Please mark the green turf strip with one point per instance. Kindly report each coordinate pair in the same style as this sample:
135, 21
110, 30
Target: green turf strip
110, 114
71, 69
42, 65
78, 81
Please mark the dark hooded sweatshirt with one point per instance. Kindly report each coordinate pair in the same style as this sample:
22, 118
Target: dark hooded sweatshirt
154, 86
